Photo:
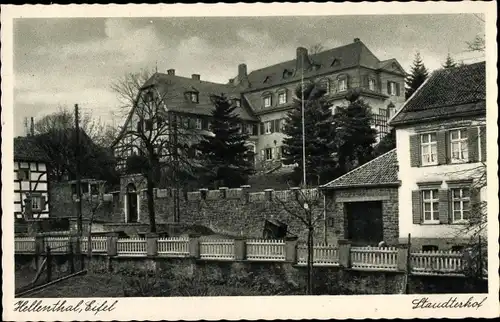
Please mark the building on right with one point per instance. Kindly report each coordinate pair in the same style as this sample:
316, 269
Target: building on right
441, 154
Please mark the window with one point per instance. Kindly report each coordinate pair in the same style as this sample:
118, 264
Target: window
36, 203
282, 98
255, 129
269, 154
430, 206
23, 174
382, 111
198, 124
185, 122
267, 127
371, 84
237, 102
148, 125
194, 97
429, 148
342, 84
267, 101
460, 204
392, 88
459, 146
249, 129
277, 125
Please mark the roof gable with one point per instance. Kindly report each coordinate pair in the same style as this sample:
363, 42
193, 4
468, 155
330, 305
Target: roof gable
380, 171
447, 92
26, 149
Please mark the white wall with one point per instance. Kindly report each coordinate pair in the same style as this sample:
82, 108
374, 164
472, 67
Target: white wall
409, 176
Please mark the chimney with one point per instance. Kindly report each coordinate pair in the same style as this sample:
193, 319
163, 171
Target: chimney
26, 127
302, 58
171, 72
32, 126
195, 76
242, 71
356, 39
231, 81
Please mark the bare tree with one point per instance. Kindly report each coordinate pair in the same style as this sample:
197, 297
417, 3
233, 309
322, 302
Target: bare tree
158, 139
308, 208
316, 49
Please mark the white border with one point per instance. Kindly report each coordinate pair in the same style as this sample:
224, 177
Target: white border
250, 308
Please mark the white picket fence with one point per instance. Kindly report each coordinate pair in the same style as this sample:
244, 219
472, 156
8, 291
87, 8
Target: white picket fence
265, 250
376, 258
58, 244
24, 245
323, 255
217, 249
173, 247
131, 247
99, 244
436, 262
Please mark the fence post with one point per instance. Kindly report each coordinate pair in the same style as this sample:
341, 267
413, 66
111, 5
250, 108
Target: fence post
194, 246
239, 249
71, 257
112, 239
49, 264
291, 249
403, 258
151, 244
344, 253
245, 193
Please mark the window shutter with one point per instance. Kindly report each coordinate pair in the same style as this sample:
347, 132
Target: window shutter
255, 129
263, 154
262, 128
42, 203
416, 200
473, 142
389, 87
347, 82
444, 206
441, 147
415, 154
272, 126
483, 143
278, 154
475, 206
397, 89
277, 125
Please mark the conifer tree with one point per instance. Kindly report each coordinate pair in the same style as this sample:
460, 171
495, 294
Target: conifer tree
319, 136
417, 77
224, 151
354, 135
450, 62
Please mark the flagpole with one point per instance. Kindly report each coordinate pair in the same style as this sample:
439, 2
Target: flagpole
303, 128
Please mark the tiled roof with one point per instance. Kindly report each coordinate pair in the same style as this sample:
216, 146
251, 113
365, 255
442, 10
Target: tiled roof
351, 55
26, 149
447, 92
382, 170
175, 86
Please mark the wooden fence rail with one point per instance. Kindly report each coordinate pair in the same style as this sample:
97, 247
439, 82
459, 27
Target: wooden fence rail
173, 247
24, 245
217, 249
131, 247
265, 250
374, 258
99, 244
436, 262
58, 244
323, 255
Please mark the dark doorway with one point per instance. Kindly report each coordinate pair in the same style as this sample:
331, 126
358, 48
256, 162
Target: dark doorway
132, 203
364, 222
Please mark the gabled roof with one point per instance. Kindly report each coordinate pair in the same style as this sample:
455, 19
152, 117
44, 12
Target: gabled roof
26, 149
347, 56
381, 171
178, 85
452, 92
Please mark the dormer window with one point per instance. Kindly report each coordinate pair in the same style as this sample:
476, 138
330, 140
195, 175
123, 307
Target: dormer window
335, 62
237, 102
287, 73
267, 100
193, 96
267, 79
282, 99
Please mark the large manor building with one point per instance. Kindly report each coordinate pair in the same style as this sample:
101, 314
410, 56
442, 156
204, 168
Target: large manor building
264, 96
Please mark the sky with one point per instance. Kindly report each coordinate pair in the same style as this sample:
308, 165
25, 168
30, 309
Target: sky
61, 62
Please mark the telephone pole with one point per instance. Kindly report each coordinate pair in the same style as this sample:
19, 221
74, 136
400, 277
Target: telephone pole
78, 182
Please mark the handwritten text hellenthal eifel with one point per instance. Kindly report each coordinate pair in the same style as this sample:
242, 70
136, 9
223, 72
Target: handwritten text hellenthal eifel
451, 303
36, 306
